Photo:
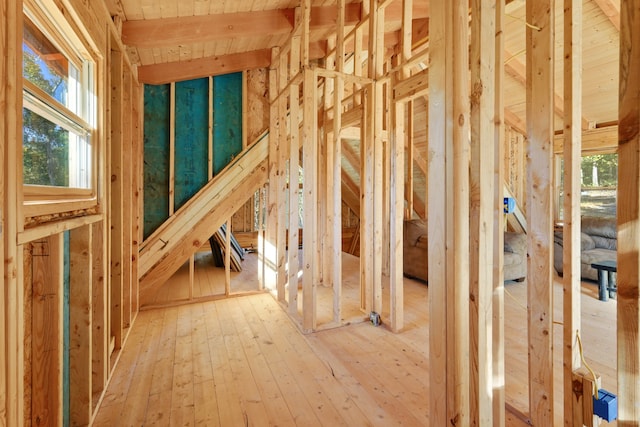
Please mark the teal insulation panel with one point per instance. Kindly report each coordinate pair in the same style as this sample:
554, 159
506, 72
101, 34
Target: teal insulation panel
227, 119
191, 139
156, 156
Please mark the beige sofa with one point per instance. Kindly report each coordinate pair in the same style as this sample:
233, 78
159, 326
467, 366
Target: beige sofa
598, 242
415, 252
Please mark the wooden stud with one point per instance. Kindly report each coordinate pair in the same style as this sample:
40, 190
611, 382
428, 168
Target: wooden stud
272, 199
406, 35
172, 148
409, 153
261, 239
80, 325
366, 202
498, 344
335, 170
540, 74
210, 129
396, 280
116, 198
100, 305
245, 109
306, 37
578, 395
482, 210
127, 197
281, 210
376, 69
192, 275
227, 259
137, 188
572, 186
448, 213
11, 217
46, 331
310, 167
294, 214
340, 48
628, 310
357, 64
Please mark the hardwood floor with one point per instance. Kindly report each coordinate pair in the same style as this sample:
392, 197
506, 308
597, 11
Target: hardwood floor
241, 361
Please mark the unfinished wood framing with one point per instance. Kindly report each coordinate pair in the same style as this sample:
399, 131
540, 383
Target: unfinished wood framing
396, 215
80, 325
482, 211
571, 212
628, 333
343, 99
448, 213
46, 288
270, 261
294, 188
137, 208
310, 267
281, 195
127, 197
100, 315
11, 217
116, 198
540, 42
498, 326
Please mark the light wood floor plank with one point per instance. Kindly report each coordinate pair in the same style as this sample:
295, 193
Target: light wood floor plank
241, 361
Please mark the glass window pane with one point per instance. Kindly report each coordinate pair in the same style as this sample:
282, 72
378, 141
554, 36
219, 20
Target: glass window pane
53, 155
599, 182
44, 65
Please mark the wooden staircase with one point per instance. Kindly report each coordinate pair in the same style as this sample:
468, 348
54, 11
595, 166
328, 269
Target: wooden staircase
171, 245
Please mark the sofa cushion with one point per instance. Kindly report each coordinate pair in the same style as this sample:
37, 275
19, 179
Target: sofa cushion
414, 231
586, 242
515, 242
599, 226
605, 243
597, 254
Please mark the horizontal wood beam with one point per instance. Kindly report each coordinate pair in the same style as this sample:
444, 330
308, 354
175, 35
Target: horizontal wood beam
393, 12
205, 67
413, 87
593, 140
165, 32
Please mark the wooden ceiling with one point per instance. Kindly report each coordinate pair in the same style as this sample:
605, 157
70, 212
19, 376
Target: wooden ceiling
172, 40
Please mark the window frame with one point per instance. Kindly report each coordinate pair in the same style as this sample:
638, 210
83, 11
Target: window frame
41, 200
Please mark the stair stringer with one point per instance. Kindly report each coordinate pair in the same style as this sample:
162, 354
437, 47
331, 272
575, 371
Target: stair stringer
183, 233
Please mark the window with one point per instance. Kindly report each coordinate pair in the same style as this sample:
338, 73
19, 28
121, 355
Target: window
599, 184
59, 113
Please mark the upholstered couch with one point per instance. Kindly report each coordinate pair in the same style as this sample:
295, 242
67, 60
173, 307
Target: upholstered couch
415, 252
598, 242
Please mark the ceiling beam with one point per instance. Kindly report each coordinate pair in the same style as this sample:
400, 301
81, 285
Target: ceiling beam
612, 11
167, 32
167, 72
176, 71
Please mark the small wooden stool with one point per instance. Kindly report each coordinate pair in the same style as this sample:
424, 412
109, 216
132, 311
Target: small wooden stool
606, 279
